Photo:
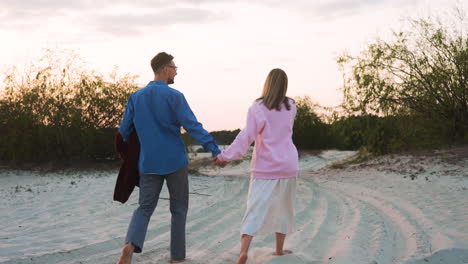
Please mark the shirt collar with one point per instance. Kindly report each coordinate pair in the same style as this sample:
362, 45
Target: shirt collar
159, 82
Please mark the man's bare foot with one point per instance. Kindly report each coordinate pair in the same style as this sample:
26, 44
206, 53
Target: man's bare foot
127, 252
284, 252
242, 258
177, 260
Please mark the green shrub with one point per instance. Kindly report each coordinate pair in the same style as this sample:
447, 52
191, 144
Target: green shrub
56, 110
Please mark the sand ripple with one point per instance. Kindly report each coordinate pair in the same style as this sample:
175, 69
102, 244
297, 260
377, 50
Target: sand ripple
355, 215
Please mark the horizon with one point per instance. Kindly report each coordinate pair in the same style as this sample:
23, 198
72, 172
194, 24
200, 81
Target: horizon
231, 47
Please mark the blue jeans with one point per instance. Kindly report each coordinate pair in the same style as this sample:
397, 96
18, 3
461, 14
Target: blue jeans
150, 188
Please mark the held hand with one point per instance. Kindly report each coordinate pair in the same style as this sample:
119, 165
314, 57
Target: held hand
218, 162
221, 164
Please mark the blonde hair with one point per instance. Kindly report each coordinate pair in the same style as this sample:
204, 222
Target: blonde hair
274, 90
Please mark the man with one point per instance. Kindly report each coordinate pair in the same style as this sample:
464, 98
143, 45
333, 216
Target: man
156, 113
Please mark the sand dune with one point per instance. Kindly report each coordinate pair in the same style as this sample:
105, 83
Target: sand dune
393, 209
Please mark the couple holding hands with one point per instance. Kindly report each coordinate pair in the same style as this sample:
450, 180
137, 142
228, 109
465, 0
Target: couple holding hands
156, 113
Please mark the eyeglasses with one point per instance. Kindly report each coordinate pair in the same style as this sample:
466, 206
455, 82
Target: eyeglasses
174, 67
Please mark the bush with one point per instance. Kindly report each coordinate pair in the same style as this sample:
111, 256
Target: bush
57, 110
309, 131
421, 73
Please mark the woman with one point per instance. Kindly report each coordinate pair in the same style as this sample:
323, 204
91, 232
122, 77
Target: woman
274, 168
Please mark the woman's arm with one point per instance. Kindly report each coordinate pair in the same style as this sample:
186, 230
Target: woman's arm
254, 125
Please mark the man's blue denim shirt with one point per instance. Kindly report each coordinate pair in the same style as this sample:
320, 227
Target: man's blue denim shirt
157, 112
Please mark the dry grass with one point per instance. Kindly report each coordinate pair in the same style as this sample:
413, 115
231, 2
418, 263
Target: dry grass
196, 164
363, 155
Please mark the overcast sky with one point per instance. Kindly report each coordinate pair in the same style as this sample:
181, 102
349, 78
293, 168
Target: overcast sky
224, 49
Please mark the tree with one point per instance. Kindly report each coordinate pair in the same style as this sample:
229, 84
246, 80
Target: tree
422, 70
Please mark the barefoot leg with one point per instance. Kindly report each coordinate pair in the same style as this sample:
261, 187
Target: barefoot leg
127, 252
245, 244
279, 245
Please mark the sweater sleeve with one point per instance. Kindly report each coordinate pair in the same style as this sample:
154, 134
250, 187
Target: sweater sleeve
245, 138
294, 109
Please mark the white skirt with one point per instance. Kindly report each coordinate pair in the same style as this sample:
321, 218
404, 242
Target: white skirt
270, 207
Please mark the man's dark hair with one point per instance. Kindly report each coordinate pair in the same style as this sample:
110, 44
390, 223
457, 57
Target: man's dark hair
160, 60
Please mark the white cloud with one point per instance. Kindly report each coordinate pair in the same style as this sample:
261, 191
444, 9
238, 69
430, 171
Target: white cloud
104, 16
134, 23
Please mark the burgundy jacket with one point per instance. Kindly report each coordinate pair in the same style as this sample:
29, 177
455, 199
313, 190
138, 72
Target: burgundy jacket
129, 176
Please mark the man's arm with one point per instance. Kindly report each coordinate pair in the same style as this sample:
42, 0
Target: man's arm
190, 123
126, 126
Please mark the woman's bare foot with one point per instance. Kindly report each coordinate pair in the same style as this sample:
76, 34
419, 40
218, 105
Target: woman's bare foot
284, 252
127, 252
242, 258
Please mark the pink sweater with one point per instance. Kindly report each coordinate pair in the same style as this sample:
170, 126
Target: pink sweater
274, 155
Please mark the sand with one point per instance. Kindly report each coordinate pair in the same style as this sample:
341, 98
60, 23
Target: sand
393, 209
